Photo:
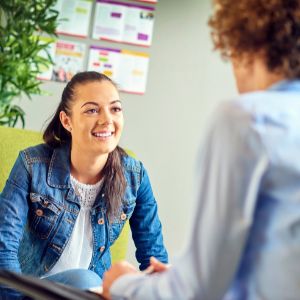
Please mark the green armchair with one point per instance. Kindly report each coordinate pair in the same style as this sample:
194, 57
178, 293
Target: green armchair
13, 140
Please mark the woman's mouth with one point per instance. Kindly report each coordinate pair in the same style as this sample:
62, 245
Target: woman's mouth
103, 135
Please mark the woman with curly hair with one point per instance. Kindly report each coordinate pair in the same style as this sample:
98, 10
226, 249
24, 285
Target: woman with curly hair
245, 237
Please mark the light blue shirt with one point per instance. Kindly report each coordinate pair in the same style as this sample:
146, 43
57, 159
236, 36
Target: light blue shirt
244, 243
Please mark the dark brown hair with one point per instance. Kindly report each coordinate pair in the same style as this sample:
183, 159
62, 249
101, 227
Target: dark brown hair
249, 26
55, 135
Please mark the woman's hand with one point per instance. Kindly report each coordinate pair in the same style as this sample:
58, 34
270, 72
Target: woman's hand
117, 270
156, 266
122, 268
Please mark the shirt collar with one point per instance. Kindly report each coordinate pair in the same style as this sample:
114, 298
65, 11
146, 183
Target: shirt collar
59, 169
286, 85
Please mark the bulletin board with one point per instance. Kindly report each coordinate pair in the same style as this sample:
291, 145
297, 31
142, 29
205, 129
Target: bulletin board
108, 36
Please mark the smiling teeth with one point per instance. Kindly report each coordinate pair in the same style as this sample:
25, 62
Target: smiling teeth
102, 134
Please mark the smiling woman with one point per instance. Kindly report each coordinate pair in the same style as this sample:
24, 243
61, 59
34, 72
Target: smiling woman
97, 117
73, 194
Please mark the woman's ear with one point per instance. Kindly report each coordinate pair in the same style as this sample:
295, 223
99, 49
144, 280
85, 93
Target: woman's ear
65, 121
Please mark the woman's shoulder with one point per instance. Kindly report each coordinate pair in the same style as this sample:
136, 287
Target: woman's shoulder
239, 110
41, 151
132, 164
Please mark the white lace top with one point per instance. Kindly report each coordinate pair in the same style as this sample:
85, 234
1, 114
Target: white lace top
79, 250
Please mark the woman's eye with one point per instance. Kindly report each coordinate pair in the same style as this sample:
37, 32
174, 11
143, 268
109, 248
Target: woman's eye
117, 109
92, 111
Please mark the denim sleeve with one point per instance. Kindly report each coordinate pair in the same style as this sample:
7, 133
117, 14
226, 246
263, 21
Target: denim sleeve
145, 225
13, 215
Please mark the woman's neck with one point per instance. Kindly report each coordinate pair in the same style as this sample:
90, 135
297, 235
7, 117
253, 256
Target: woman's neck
87, 168
263, 78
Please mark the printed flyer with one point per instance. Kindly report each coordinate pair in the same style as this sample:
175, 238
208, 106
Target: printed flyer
69, 59
127, 68
123, 22
74, 17
46, 71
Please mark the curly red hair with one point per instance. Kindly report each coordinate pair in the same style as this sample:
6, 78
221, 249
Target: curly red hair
251, 26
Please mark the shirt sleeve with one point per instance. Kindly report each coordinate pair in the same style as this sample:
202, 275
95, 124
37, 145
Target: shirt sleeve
231, 165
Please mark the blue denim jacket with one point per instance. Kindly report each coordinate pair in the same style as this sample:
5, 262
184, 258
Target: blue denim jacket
38, 210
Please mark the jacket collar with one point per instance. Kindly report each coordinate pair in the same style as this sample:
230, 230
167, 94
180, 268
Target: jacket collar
59, 169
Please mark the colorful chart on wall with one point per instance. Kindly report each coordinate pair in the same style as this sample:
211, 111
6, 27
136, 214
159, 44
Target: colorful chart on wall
46, 71
75, 17
127, 68
123, 22
69, 59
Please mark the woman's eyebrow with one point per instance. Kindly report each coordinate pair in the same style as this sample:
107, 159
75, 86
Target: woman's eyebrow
115, 101
95, 103
89, 102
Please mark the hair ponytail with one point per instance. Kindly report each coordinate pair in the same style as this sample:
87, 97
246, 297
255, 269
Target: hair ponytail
114, 182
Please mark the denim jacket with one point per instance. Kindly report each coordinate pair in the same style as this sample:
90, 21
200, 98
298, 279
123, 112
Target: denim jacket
38, 210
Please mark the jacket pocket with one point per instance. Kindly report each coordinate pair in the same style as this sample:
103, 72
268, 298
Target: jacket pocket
44, 213
118, 223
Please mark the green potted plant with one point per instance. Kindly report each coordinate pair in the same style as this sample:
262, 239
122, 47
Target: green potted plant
22, 24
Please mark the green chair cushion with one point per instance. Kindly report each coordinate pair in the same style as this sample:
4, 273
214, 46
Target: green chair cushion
12, 141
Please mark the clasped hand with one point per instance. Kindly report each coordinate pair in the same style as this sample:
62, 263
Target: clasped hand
124, 267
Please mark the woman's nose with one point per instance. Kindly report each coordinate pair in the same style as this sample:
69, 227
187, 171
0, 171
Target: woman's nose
104, 118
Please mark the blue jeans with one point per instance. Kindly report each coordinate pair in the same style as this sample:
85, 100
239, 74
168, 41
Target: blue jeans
78, 278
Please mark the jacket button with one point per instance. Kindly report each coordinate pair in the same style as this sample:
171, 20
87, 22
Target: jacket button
101, 249
123, 216
39, 212
101, 221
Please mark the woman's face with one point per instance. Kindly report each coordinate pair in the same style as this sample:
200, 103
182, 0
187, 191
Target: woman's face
96, 119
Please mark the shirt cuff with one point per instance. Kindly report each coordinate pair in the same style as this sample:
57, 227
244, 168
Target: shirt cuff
124, 287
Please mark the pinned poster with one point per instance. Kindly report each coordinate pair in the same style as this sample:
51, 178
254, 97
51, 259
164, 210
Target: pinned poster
69, 59
46, 71
127, 68
123, 22
75, 17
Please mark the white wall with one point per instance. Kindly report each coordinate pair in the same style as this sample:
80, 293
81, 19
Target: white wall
163, 127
